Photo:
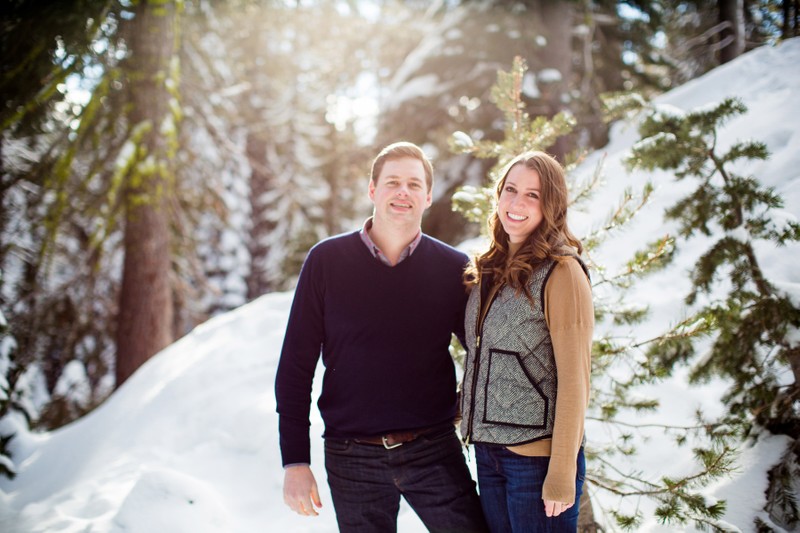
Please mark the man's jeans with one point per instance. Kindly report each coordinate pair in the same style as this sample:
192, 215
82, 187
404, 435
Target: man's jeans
511, 492
430, 472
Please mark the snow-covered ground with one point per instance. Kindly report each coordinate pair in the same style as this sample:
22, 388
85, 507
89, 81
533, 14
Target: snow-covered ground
189, 443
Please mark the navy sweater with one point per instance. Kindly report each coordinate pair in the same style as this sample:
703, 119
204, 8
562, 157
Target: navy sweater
383, 333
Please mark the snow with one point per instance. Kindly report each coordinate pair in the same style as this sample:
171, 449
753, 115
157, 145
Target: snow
404, 85
529, 87
189, 443
73, 383
549, 75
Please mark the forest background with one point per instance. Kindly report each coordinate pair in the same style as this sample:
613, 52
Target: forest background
165, 162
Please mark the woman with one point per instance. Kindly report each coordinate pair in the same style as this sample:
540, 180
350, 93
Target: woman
529, 324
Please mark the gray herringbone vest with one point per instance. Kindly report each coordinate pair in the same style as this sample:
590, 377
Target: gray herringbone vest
516, 354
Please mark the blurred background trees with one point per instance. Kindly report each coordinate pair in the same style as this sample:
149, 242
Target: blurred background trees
162, 162
165, 161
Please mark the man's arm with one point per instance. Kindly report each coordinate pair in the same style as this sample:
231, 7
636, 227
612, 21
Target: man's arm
458, 327
298, 362
293, 382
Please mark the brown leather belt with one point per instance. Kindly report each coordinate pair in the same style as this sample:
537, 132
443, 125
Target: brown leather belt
393, 440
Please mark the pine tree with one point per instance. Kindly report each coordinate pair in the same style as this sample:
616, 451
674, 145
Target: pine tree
751, 321
53, 191
211, 251
145, 322
69, 164
698, 35
678, 499
289, 171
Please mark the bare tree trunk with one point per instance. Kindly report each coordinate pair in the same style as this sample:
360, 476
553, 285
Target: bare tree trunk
796, 19
791, 14
557, 18
146, 307
732, 34
586, 522
786, 8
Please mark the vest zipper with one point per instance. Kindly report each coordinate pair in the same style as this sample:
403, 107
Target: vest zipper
475, 368
479, 319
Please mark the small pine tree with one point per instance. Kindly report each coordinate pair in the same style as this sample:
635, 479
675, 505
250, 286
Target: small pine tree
678, 499
750, 319
520, 134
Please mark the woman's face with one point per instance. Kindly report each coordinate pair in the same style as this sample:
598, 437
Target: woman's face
519, 207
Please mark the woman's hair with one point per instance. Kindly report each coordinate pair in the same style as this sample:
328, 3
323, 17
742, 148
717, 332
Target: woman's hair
400, 150
551, 238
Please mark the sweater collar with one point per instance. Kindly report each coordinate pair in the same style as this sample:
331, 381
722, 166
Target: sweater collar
377, 253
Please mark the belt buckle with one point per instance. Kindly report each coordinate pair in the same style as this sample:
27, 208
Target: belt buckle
389, 446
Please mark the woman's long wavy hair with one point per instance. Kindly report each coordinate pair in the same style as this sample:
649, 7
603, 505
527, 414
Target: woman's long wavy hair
552, 238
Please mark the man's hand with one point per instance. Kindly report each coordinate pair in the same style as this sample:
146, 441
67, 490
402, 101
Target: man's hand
552, 508
300, 490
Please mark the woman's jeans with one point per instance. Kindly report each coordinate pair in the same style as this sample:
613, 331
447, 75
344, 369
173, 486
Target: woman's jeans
430, 472
510, 486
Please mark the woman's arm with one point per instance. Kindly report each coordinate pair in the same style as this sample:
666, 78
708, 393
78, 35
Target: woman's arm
569, 313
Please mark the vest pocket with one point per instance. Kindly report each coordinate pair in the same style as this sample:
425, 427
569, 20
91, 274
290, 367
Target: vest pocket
514, 397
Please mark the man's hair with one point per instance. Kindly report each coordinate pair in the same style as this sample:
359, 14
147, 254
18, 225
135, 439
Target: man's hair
399, 150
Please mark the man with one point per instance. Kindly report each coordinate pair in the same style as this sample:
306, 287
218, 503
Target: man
380, 305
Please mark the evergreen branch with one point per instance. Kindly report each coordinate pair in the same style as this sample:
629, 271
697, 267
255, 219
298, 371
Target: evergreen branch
621, 214
618, 105
639, 425
45, 94
586, 189
697, 324
727, 179
613, 486
57, 75
756, 273
714, 465
656, 256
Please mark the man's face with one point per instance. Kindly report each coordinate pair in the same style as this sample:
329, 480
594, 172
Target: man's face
401, 194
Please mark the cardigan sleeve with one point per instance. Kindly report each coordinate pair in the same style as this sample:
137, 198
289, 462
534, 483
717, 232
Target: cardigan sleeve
569, 313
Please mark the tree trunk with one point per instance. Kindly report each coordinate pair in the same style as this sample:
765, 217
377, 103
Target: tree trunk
732, 34
796, 18
791, 12
146, 308
790, 9
557, 19
786, 8
586, 522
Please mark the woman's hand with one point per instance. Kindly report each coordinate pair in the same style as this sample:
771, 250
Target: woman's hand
553, 508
